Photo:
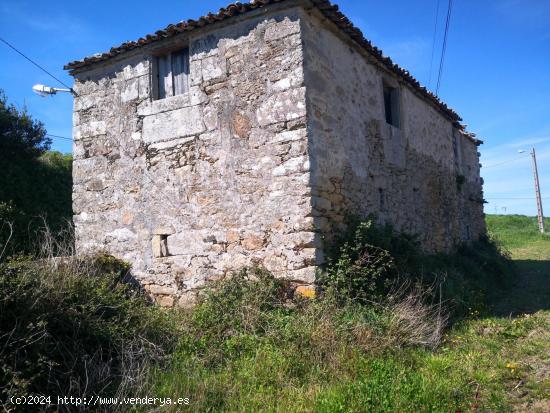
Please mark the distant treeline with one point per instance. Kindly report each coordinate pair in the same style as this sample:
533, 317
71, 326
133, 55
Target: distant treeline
35, 183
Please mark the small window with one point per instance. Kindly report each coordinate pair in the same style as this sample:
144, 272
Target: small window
160, 245
381, 198
171, 74
391, 105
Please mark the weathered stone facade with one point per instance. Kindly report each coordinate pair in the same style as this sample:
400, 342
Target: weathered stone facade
281, 134
423, 177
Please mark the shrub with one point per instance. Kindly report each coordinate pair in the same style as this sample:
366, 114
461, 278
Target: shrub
471, 276
74, 327
35, 183
367, 260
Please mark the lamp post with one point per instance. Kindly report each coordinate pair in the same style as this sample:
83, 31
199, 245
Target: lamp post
50, 91
540, 214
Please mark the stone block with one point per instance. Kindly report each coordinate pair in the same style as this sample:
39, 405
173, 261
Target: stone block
174, 124
278, 30
161, 289
130, 90
282, 106
164, 230
241, 125
90, 129
187, 300
306, 291
305, 275
214, 68
253, 242
290, 135
321, 204
165, 300
293, 165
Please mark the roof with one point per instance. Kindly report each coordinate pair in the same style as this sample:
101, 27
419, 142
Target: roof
327, 9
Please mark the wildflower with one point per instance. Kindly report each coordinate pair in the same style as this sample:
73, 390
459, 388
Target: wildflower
512, 366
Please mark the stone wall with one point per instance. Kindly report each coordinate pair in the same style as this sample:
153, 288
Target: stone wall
233, 173
423, 177
214, 179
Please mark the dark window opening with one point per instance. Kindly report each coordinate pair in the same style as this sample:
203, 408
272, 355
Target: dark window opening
381, 198
391, 105
160, 245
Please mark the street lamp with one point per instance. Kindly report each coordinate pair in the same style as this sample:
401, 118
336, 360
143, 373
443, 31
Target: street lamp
49, 91
540, 214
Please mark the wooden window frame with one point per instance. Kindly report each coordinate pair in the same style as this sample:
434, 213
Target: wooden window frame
155, 73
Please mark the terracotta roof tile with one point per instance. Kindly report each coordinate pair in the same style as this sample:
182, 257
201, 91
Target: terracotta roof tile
329, 10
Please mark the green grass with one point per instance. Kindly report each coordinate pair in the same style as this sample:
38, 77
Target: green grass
520, 235
250, 346
494, 364
321, 359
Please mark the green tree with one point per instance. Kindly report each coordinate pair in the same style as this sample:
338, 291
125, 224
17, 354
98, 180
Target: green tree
21, 136
35, 183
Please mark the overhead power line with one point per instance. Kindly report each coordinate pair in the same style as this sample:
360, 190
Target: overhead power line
433, 42
444, 47
505, 162
531, 198
34, 63
57, 136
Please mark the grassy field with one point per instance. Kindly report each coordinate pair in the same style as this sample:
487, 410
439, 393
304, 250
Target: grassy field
494, 361
531, 253
252, 345
519, 234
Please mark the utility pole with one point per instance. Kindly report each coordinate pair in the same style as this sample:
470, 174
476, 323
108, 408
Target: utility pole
537, 192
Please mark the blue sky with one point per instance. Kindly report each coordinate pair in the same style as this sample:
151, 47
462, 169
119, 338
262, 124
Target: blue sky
496, 74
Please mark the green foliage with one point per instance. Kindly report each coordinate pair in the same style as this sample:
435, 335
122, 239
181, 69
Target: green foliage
73, 327
394, 384
234, 307
20, 135
35, 185
471, 276
270, 352
250, 345
367, 260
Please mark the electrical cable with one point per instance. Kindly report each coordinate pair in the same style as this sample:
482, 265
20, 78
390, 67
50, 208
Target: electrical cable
444, 48
433, 43
36, 64
57, 136
505, 162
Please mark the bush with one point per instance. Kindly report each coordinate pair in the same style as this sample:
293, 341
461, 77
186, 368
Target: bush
35, 183
368, 262
472, 276
34, 193
74, 327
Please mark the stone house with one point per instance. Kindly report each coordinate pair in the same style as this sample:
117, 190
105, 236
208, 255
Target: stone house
244, 136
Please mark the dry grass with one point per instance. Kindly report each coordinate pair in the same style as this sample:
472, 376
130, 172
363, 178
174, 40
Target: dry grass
71, 326
415, 322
